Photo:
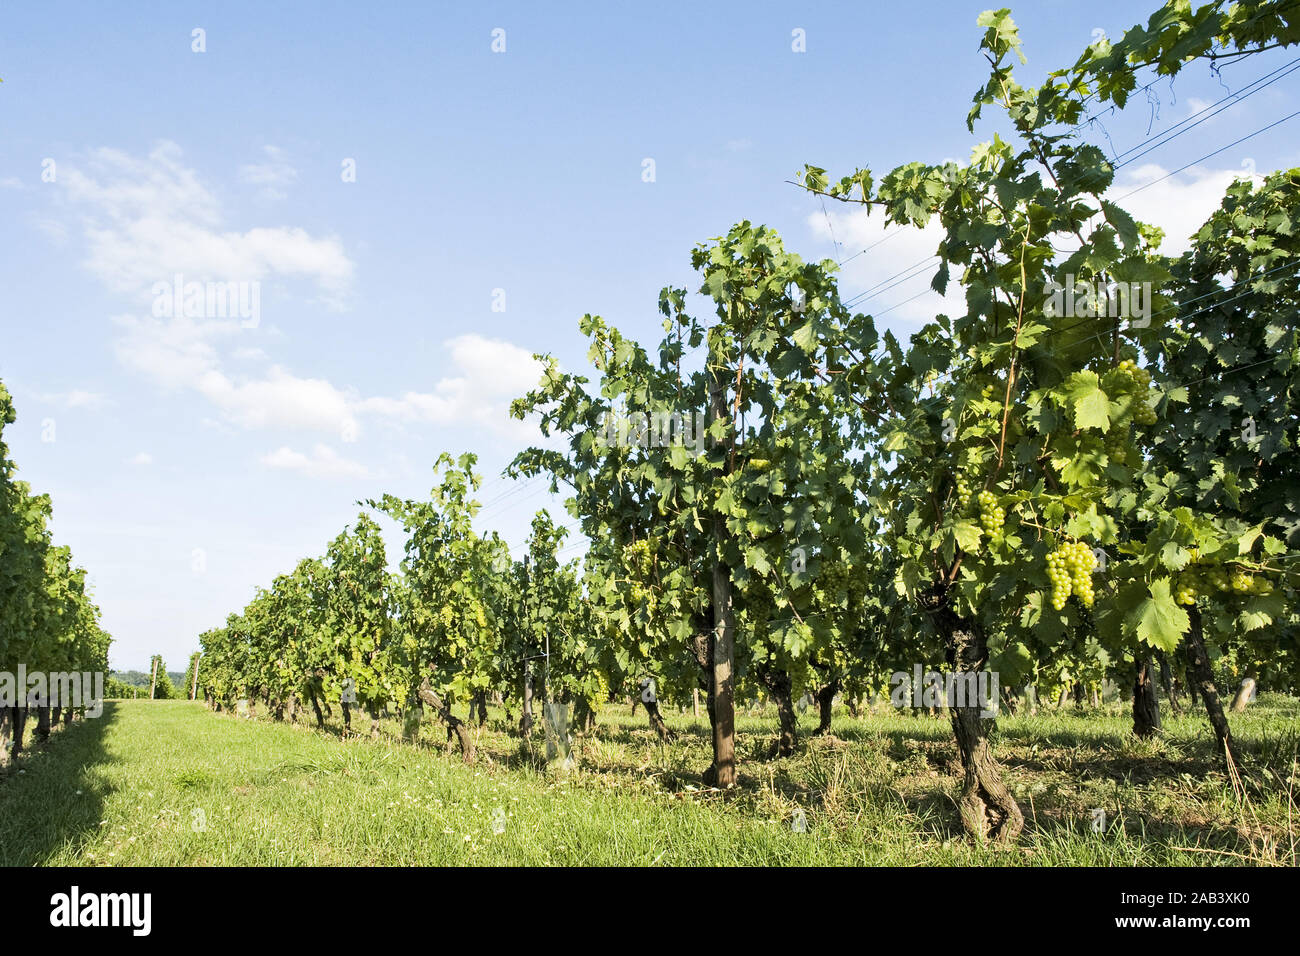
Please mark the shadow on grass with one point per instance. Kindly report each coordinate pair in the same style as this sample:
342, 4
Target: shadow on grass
52, 796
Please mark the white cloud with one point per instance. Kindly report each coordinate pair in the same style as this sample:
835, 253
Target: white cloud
11, 182
174, 353
281, 399
492, 373
140, 458
1178, 205
323, 462
274, 176
181, 353
76, 398
148, 219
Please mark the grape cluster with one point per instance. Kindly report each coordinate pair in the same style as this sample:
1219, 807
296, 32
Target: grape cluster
758, 606
1129, 378
834, 577
1117, 446
1070, 569
1210, 578
963, 492
992, 515
638, 557
1140, 376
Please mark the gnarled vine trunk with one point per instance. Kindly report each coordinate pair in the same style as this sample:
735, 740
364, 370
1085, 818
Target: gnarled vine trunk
778, 685
584, 717
1146, 705
657, 720
315, 705
1204, 676
442, 708
17, 724
988, 810
826, 705
43, 722
1167, 683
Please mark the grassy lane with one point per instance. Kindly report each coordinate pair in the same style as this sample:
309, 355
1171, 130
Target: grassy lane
170, 783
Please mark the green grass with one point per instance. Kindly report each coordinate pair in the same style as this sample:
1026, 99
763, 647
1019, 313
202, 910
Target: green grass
170, 783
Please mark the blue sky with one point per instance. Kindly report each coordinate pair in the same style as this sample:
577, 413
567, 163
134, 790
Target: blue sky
190, 460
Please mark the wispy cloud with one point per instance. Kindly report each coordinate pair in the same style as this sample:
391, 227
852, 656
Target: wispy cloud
490, 373
148, 219
323, 462
76, 398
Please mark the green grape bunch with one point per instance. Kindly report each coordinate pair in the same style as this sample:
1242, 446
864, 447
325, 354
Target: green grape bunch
1131, 379
638, 557
992, 515
1069, 568
834, 579
963, 492
1205, 579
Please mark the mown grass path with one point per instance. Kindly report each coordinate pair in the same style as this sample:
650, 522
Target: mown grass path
170, 783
